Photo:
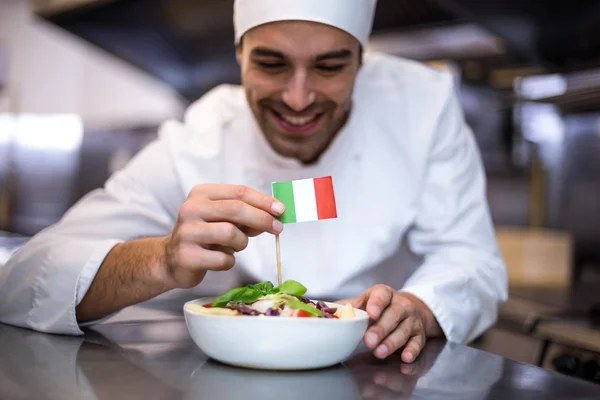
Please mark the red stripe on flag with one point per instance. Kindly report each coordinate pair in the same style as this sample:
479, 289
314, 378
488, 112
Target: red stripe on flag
325, 198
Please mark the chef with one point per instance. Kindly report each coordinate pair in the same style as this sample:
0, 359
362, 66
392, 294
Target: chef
413, 243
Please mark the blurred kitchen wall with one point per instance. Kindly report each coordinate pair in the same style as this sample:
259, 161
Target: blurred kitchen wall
52, 71
70, 114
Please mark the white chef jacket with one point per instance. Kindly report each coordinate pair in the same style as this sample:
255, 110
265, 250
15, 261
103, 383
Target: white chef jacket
409, 187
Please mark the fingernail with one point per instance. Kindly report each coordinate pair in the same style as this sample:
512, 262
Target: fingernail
381, 351
371, 339
278, 208
408, 357
277, 226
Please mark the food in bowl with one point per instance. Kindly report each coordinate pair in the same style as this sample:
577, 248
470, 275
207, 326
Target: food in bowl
278, 328
265, 300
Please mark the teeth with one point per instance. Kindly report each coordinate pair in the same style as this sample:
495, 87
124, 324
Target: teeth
298, 120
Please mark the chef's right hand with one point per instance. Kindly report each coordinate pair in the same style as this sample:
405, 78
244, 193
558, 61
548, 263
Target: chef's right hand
213, 223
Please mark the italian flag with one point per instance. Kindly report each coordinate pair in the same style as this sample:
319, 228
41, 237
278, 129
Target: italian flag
306, 199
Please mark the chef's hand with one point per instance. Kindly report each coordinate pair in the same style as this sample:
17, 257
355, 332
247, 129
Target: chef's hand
400, 320
214, 223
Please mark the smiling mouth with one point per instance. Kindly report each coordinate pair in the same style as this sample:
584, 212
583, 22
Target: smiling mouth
298, 121
296, 125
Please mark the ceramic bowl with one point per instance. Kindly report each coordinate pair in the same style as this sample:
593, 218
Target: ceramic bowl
275, 343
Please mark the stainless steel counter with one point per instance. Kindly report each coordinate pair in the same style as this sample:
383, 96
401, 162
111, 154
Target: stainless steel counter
155, 358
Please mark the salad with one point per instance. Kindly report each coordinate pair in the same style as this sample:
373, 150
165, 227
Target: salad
265, 300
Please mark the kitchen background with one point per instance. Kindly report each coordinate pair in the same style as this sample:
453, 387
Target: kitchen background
84, 84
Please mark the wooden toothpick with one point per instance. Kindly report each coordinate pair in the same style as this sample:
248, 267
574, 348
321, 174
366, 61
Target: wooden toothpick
278, 259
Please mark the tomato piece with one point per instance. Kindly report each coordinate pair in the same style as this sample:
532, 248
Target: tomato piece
209, 305
300, 314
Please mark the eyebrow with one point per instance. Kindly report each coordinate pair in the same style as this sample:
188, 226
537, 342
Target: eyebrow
336, 54
264, 52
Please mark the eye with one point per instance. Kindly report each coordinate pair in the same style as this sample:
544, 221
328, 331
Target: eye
331, 68
270, 65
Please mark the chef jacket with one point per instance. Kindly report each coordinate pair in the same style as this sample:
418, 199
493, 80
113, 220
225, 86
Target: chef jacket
409, 187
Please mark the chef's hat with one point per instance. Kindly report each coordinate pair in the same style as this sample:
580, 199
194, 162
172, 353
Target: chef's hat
352, 16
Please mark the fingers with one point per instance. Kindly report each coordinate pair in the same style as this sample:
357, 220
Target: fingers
413, 347
241, 213
223, 249
253, 212
400, 334
232, 211
191, 262
195, 257
410, 335
213, 224
250, 232
379, 298
386, 314
398, 325
244, 194
221, 235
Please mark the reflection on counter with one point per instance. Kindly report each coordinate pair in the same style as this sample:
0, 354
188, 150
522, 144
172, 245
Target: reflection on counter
215, 380
158, 360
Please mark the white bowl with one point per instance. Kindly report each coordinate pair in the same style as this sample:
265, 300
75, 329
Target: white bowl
276, 343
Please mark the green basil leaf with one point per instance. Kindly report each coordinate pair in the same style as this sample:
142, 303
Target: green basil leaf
298, 305
292, 288
248, 296
245, 295
274, 290
251, 293
263, 287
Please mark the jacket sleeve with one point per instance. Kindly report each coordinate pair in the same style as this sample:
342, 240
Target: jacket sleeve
47, 278
462, 278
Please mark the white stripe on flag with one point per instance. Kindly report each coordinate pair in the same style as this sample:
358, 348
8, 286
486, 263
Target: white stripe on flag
305, 200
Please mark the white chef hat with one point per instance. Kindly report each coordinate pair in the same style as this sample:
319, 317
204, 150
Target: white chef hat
352, 16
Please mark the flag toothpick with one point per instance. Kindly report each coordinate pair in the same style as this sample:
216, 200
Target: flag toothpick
304, 200
278, 259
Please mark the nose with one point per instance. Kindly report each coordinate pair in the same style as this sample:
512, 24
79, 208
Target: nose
298, 95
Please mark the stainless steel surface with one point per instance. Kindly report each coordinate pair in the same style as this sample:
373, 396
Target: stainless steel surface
156, 359
43, 160
580, 192
46, 179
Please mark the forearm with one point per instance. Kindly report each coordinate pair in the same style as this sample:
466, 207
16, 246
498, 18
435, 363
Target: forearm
132, 272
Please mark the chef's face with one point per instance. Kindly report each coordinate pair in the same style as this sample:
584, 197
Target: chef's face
298, 77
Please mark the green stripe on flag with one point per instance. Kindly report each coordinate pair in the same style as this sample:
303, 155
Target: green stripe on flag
284, 192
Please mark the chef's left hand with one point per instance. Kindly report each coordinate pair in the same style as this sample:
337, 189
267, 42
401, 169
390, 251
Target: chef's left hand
400, 320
